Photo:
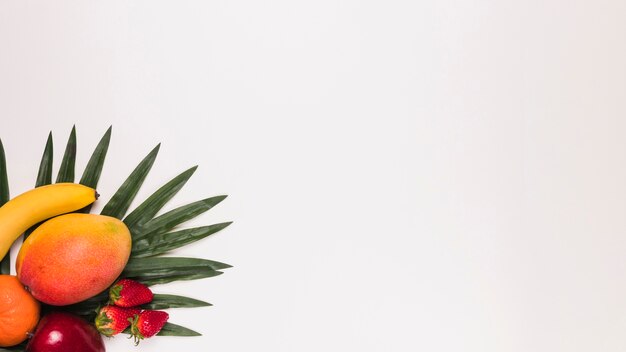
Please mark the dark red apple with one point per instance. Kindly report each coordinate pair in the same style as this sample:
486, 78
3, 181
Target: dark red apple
64, 332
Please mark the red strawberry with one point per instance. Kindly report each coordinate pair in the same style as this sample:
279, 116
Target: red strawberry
112, 320
129, 293
147, 324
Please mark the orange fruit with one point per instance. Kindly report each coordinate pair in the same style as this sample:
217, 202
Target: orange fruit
19, 311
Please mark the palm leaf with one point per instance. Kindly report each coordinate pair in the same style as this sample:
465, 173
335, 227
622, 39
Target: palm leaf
89, 306
152, 234
169, 264
170, 329
21, 347
95, 300
4, 179
158, 243
146, 211
44, 175
160, 270
177, 216
66, 171
5, 264
185, 275
92, 172
162, 301
121, 200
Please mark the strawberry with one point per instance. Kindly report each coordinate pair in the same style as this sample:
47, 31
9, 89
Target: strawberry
129, 293
112, 320
147, 324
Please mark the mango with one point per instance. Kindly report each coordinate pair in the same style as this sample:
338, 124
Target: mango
73, 257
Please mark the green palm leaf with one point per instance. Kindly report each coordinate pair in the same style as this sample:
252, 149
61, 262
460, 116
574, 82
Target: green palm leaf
169, 264
162, 301
44, 176
5, 264
21, 347
160, 270
66, 171
121, 200
4, 179
152, 236
88, 308
186, 275
177, 216
158, 243
146, 211
92, 172
170, 329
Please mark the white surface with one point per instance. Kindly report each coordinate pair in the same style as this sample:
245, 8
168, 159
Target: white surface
403, 175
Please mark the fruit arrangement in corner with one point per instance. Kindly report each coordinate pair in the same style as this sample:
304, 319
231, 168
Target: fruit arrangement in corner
82, 276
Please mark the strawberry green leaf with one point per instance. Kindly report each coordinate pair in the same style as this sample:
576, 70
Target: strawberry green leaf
120, 202
44, 176
5, 264
92, 172
159, 243
146, 210
163, 301
66, 171
177, 216
170, 329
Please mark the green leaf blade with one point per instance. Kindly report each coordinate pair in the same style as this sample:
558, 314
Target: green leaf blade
164, 301
68, 163
88, 307
5, 264
121, 200
159, 243
167, 264
44, 175
19, 348
170, 329
185, 275
146, 210
93, 170
4, 178
159, 270
177, 216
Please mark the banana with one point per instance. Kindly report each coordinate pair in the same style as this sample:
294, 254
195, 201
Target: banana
37, 205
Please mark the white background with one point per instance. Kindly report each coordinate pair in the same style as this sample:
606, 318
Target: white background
403, 175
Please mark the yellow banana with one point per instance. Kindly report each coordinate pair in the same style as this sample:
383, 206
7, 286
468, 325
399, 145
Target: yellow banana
37, 205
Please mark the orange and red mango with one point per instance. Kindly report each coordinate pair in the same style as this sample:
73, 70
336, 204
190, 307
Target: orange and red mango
73, 257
